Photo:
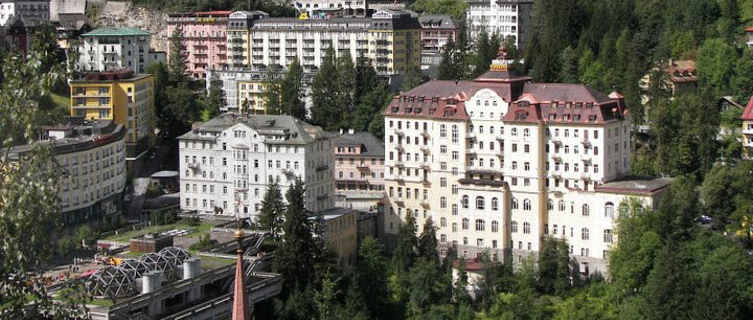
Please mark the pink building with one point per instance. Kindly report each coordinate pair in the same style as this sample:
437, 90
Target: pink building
359, 169
204, 40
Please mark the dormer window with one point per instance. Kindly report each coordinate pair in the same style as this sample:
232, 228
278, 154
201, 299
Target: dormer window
592, 118
589, 105
523, 104
579, 105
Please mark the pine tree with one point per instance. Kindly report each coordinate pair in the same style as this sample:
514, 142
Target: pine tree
296, 256
452, 66
413, 77
177, 61
292, 91
427, 242
272, 210
405, 251
325, 111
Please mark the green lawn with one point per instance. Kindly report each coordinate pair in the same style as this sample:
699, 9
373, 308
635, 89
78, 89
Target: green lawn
61, 101
192, 231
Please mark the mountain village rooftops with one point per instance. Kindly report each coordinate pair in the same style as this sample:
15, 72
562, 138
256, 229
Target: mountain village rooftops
285, 129
371, 146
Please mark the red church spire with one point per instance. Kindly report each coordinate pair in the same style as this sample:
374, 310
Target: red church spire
240, 310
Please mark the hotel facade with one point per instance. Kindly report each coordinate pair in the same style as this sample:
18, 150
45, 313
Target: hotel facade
499, 163
227, 163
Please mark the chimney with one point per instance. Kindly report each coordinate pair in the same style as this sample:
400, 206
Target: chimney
191, 268
151, 281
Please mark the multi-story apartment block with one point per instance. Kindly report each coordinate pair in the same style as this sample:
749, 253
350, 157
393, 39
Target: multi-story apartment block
507, 18
390, 39
92, 155
747, 118
227, 163
238, 36
204, 40
359, 169
243, 88
108, 49
31, 12
123, 97
324, 8
436, 32
500, 162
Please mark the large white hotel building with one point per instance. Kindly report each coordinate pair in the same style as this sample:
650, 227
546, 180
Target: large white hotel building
227, 163
507, 18
500, 162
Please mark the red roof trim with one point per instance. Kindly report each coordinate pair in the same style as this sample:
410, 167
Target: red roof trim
748, 112
748, 29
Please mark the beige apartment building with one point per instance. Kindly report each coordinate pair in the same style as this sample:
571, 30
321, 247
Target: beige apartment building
359, 170
500, 162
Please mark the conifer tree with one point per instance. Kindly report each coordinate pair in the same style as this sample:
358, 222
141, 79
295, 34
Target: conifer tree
272, 210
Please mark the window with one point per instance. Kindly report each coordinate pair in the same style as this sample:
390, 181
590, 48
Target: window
527, 166
495, 226
527, 205
515, 203
607, 236
443, 131
550, 205
464, 202
480, 203
465, 223
454, 209
514, 132
514, 227
480, 225
609, 210
526, 133
455, 155
585, 210
584, 234
495, 204
443, 149
443, 202
443, 222
455, 134
526, 228
443, 182
526, 148
561, 205
454, 227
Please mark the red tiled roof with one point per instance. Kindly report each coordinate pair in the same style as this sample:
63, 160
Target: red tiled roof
529, 102
682, 71
470, 264
748, 113
748, 29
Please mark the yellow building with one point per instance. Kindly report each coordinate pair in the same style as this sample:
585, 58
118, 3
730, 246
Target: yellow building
394, 41
340, 232
121, 96
251, 96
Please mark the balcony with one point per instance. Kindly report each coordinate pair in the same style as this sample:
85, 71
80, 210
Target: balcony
425, 167
557, 159
470, 138
587, 162
399, 165
362, 167
586, 143
425, 150
399, 147
399, 133
425, 204
425, 134
288, 172
585, 177
557, 142
194, 165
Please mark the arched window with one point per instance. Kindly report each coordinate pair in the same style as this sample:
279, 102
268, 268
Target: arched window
480, 225
550, 205
454, 227
561, 205
464, 202
495, 204
465, 223
609, 210
514, 227
584, 234
443, 222
443, 202
527, 205
585, 210
515, 203
480, 203
495, 226
526, 132
526, 227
